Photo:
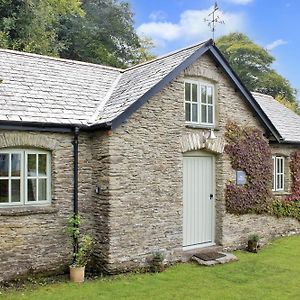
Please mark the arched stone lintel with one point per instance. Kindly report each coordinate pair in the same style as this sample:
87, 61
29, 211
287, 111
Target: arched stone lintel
25, 139
196, 141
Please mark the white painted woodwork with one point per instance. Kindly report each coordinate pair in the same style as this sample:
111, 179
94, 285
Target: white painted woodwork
198, 206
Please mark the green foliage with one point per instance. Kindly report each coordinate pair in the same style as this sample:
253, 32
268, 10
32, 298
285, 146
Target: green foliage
97, 31
273, 274
254, 238
295, 174
84, 251
106, 35
252, 63
286, 209
85, 242
249, 151
32, 25
158, 256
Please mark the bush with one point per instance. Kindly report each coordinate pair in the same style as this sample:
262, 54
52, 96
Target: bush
286, 208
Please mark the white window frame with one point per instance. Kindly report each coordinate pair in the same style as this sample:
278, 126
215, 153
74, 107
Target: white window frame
199, 103
278, 176
24, 177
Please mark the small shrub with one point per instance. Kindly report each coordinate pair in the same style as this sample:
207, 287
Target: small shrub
286, 208
254, 238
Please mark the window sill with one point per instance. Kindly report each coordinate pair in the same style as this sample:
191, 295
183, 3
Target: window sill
282, 193
199, 126
28, 210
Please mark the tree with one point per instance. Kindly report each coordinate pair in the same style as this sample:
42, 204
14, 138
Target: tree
253, 64
106, 35
32, 25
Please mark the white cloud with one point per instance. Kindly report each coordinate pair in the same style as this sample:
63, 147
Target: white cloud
157, 15
190, 27
243, 2
276, 44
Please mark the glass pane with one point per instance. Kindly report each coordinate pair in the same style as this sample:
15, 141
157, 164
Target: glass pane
4, 191
16, 165
187, 92
194, 92
31, 164
203, 114
42, 189
4, 164
187, 111
210, 115
209, 95
42, 165
203, 94
15, 190
31, 190
195, 113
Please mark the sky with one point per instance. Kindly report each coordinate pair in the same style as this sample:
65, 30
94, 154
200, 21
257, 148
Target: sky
273, 24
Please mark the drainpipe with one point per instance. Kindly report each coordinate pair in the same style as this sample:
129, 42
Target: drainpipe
75, 181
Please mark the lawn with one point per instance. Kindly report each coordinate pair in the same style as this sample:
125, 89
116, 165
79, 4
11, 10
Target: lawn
273, 273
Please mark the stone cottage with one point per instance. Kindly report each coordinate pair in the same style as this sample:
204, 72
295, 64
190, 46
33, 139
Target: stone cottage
150, 174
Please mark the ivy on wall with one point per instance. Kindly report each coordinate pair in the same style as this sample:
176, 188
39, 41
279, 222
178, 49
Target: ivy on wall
295, 174
248, 151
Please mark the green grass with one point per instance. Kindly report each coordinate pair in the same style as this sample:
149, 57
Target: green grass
273, 273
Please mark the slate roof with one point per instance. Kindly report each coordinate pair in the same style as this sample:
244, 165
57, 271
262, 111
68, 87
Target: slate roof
286, 121
43, 91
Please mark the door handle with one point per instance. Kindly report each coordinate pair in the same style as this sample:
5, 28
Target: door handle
211, 196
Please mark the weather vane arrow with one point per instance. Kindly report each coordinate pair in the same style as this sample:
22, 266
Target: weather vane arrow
213, 20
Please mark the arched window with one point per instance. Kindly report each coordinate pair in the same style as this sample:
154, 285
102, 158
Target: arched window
25, 177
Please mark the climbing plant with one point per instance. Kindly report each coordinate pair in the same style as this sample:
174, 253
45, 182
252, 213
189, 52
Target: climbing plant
248, 151
295, 174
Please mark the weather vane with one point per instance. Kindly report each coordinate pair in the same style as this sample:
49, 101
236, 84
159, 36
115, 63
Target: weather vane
213, 20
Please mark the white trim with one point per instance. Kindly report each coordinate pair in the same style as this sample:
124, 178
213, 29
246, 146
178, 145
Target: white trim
201, 83
277, 174
24, 177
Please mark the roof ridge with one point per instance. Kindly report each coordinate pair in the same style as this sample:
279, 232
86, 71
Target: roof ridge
167, 55
60, 59
106, 98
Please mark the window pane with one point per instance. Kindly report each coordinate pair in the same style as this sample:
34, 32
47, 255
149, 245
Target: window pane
42, 165
16, 165
194, 92
210, 114
31, 164
187, 92
4, 164
15, 190
209, 95
195, 113
187, 111
42, 189
4, 191
203, 94
31, 190
203, 114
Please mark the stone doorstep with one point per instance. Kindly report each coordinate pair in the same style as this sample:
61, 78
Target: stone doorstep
187, 255
229, 257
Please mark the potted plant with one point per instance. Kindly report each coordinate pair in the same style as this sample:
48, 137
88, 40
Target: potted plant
157, 262
82, 249
253, 241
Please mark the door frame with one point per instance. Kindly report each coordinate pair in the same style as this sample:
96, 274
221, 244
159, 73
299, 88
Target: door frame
200, 153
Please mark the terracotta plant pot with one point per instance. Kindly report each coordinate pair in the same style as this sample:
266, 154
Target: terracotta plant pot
252, 246
157, 266
77, 274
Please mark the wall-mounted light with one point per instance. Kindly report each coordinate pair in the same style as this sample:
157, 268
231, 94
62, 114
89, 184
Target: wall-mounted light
211, 136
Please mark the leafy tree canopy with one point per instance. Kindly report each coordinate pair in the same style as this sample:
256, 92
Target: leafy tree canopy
253, 64
98, 31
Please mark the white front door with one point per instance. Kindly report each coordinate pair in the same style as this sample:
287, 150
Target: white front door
198, 200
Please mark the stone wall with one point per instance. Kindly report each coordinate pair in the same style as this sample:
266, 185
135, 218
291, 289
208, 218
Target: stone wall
146, 180
238, 228
32, 239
